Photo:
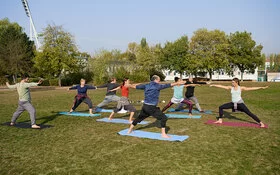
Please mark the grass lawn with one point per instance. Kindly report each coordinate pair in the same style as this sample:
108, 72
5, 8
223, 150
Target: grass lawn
80, 145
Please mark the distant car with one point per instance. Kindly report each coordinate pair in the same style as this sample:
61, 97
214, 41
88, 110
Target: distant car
277, 79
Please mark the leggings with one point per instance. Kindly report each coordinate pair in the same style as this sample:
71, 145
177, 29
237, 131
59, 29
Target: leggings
22, 106
149, 110
185, 101
241, 107
78, 101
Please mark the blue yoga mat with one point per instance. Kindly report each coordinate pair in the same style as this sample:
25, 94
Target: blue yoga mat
104, 110
182, 116
117, 120
79, 114
193, 111
153, 135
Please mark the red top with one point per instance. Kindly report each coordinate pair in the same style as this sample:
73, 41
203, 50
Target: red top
125, 91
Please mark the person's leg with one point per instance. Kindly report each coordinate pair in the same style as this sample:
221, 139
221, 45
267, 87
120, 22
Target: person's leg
157, 113
189, 103
106, 101
131, 109
243, 108
77, 102
194, 99
143, 114
221, 111
89, 103
32, 112
115, 98
20, 109
167, 106
113, 113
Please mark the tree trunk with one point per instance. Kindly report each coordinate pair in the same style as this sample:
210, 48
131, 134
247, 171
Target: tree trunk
15, 79
242, 75
210, 74
181, 76
59, 80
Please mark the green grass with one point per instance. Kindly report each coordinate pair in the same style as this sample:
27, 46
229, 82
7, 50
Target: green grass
79, 145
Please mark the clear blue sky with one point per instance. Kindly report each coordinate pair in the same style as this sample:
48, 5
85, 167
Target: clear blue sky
112, 24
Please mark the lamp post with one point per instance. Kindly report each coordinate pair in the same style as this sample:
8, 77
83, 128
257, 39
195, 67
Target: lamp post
33, 34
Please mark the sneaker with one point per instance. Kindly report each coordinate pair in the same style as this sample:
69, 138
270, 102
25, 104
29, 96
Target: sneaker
35, 127
12, 124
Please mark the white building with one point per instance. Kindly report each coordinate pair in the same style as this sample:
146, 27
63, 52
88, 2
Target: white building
170, 75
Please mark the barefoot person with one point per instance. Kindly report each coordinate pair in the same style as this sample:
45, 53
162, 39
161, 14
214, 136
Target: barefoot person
237, 102
82, 95
178, 96
110, 95
24, 102
149, 107
190, 93
124, 102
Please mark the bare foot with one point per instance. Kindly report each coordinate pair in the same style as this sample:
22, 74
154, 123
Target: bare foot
130, 121
220, 121
262, 125
129, 131
35, 127
190, 114
165, 136
109, 118
70, 111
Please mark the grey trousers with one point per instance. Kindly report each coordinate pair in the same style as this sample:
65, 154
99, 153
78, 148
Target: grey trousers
108, 99
22, 106
195, 101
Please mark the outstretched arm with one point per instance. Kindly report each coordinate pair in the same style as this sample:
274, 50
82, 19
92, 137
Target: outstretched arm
11, 86
91, 87
73, 87
186, 85
252, 88
178, 83
117, 88
132, 85
221, 86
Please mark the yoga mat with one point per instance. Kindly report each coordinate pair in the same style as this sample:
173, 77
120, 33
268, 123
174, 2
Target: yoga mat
182, 116
79, 114
193, 111
117, 120
110, 110
152, 135
235, 124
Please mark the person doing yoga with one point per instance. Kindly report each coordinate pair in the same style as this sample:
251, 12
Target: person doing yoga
236, 100
82, 95
178, 96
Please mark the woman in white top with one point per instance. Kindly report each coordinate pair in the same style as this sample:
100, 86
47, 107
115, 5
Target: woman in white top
237, 102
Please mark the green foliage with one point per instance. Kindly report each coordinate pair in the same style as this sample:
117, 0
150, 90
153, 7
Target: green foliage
210, 50
158, 73
244, 53
59, 53
121, 73
176, 56
16, 50
139, 76
274, 63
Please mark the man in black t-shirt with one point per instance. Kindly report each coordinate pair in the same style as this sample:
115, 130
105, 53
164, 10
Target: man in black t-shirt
189, 95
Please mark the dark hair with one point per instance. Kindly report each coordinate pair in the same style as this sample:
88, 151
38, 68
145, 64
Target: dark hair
24, 76
124, 80
176, 79
236, 81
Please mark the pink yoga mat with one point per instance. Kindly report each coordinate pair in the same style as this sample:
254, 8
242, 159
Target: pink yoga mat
235, 124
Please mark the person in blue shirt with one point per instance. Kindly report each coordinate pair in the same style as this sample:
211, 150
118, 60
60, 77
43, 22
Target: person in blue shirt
149, 108
82, 95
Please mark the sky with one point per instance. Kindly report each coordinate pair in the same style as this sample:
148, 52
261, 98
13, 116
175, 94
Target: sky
112, 24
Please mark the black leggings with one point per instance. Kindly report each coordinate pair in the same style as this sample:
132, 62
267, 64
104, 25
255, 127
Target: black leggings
149, 110
185, 101
241, 107
78, 101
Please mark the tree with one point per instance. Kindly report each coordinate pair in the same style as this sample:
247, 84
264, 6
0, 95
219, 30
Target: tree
16, 50
244, 53
176, 56
210, 47
59, 53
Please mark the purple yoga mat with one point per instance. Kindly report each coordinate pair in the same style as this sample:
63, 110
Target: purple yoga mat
235, 124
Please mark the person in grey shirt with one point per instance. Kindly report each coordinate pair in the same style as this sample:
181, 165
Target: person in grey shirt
24, 102
110, 95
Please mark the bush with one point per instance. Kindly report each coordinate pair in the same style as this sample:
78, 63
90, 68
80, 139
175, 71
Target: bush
139, 76
53, 82
121, 73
